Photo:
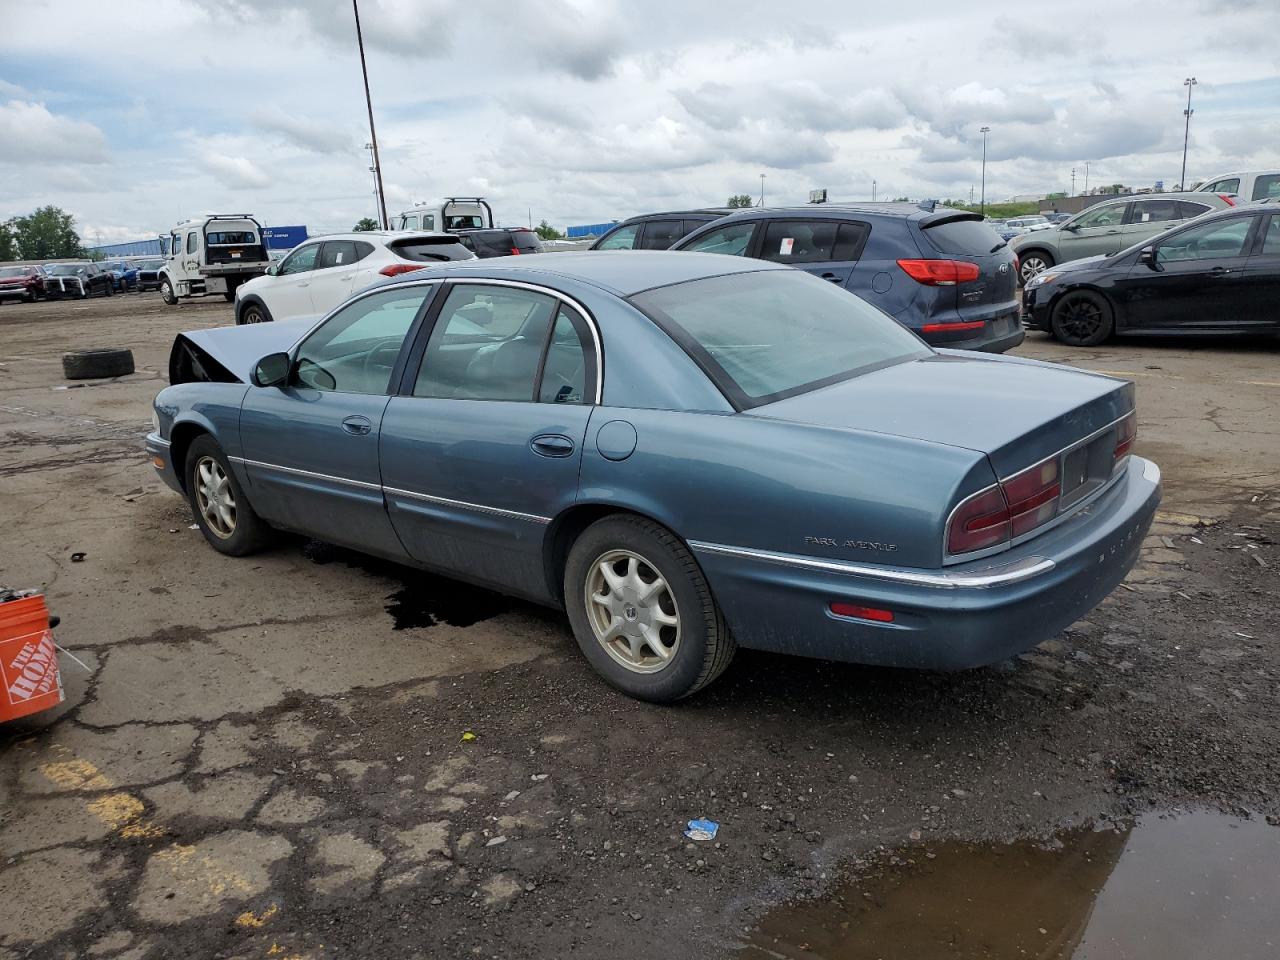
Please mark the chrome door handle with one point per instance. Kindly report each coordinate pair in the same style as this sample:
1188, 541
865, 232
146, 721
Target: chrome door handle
552, 445
1220, 271
357, 426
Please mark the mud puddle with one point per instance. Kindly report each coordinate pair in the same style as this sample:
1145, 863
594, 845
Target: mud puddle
1187, 887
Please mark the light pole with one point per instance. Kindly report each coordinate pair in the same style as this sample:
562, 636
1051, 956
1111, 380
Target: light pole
762, 189
373, 136
377, 193
1186, 131
1086, 178
873, 191
982, 207
1073, 181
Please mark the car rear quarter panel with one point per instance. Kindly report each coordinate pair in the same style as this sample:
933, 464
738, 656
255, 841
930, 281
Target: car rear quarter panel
743, 481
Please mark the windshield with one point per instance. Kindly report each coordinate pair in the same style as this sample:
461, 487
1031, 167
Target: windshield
65, 269
773, 334
13, 272
150, 264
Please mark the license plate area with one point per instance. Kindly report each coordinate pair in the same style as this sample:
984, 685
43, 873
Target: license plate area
1087, 467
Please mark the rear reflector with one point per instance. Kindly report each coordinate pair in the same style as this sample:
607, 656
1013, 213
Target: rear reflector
953, 327
395, 269
862, 613
1126, 433
940, 273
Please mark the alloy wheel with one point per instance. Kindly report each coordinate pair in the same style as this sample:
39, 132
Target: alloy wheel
632, 611
1031, 266
214, 497
1080, 317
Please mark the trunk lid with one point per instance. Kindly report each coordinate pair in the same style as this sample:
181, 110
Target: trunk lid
1016, 411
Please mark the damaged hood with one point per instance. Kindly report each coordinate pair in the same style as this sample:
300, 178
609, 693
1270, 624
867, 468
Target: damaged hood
234, 349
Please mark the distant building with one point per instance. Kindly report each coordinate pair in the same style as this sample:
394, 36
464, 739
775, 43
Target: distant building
589, 230
277, 238
1026, 198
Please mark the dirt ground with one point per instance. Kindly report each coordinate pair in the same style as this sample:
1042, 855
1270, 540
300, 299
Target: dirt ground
265, 757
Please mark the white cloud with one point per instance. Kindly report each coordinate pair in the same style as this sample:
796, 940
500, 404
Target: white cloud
236, 172
312, 135
29, 133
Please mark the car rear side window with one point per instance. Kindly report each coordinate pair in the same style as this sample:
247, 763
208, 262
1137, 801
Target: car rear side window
972, 238
1266, 186
799, 241
430, 249
661, 234
1227, 185
1152, 211
732, 239
526, 241
1188, 209
776, 333
337, 253
1271, 239
566, 370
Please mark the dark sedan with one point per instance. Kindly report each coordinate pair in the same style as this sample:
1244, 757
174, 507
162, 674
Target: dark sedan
80, 280
1219, 273
686, 453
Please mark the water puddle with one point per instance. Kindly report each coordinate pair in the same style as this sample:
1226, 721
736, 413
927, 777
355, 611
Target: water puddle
1199, 886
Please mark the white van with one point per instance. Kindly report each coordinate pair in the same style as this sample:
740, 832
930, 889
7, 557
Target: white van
449, 215
213, 254
1247, 185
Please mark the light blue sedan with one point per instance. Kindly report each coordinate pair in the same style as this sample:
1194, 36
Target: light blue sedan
688, 453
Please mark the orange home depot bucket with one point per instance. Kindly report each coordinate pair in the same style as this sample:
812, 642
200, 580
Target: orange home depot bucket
28, 659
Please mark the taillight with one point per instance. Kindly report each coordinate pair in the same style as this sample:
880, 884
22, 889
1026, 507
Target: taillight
979, 522
1126, 433
1032, 496
1226, 198
515, 251
1010, 509
862, 613
940, 273
395, 269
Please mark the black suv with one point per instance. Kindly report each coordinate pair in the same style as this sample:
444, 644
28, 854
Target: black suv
656, 231
940, 272
500, 241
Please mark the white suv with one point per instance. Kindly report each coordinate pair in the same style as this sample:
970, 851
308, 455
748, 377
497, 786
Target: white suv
318, 275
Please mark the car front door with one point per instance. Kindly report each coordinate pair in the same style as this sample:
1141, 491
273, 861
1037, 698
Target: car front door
481, 448
1096, 231
333, 274
733, 239
1146, 218
1196, 280
826, 248
290, 293
310, 447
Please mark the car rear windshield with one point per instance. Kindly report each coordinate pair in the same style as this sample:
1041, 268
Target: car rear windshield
769, 335
971, 238
430, 249
224, 238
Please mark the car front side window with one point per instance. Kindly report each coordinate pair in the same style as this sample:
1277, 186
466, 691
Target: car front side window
355, 350
732, 239
624, 238
1226, 185
191, 242
1266, 186
301, 260
1106, 215
1207, 241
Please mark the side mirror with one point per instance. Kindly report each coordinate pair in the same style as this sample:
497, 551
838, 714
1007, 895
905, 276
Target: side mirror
1070, 227
1148, 256
273, 269
272, 370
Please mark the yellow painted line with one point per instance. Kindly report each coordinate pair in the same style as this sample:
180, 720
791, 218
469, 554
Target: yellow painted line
123, 813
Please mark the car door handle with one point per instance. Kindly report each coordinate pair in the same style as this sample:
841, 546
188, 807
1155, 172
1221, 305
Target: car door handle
1220, 271
357, 426
834, 278
1110, 232
552, 445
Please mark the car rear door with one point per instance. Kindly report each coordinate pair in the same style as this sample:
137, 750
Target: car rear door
1146, 218
310, 447
482, 445
1197, 278
827, 248
1260, 283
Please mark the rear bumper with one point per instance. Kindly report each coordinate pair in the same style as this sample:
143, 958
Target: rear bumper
996, 335
952, 618
159, 453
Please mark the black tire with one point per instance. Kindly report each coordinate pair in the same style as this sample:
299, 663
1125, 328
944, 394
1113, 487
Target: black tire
704, 646
97, 364
253, 312
166, 291
248, 533
1082, 318
1032, 262
111, 290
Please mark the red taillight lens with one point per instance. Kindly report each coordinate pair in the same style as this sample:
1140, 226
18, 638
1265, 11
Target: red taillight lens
956, 327
940, 273
1227, 199
515, 251
1032, 496
979, 522
1126, 433
862, 613
395, 269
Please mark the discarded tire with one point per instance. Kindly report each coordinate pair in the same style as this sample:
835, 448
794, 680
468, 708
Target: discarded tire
97, 364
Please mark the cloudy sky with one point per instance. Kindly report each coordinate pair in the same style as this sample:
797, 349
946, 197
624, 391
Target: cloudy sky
134, 115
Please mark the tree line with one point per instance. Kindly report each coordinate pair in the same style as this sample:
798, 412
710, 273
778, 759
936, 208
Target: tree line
47, 233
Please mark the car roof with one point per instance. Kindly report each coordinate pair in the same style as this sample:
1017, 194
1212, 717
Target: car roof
380, 234
621, 272
696, 212
911, 211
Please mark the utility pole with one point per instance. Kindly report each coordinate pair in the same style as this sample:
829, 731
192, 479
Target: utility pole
377, 195
762, 189
983, 206
971, 195
1073, 181
1086, 178
373, 135
1186, 131
873, 191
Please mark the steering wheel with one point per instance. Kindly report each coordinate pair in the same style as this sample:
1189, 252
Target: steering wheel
389, 345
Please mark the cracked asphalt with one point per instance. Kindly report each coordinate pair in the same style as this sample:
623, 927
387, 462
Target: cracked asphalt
307, 754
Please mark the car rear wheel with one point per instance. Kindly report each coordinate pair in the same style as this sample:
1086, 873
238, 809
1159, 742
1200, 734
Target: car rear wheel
642, 612
1082, 318
220, 507
1032, 263
166, 292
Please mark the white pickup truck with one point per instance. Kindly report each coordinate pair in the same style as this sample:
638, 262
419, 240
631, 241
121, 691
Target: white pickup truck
448, 215
212, 254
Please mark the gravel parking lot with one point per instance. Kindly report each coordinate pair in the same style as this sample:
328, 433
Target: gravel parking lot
266, 757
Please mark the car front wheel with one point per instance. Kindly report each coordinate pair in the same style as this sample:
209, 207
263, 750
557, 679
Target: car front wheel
1032, 263
254, 312
642, 611
1082, 318
219, 505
